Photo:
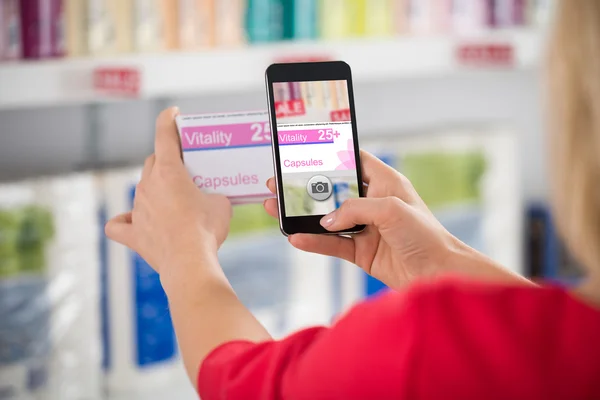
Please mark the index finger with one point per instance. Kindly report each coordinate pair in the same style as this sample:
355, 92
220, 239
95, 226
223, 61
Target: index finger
167, 145
373, 166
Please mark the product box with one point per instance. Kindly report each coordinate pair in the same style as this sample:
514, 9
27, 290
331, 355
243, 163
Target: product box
10, 30
300, 19
264, 20
36, 28
110, 26
229, 22
148, 27
58, 34
228, 153
76, 16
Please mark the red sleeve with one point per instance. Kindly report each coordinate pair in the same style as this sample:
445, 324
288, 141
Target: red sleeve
368, 354
443, 340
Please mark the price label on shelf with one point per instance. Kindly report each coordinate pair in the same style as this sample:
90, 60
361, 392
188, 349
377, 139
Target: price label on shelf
118, 81
486, 55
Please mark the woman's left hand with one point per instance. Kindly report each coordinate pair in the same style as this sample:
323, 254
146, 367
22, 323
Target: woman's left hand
174, 226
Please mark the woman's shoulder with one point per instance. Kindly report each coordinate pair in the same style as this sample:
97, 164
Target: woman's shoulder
518, 304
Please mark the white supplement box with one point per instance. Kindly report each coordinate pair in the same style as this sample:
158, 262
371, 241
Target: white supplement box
228, 153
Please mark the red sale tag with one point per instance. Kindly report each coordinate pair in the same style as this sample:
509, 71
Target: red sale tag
290, 108
483, 55
118, 81
341, 115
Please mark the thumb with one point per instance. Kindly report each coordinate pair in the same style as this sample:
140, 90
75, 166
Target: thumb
120, 229
363, 211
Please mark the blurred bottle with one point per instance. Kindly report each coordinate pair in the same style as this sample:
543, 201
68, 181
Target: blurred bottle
36, 28
429, 16
507, 13
470, 16
264, 20
300, 19
379, 17
58, 33
334, 19
197, 28
10, 30
356, 15
400, 16
539, 12
229, 22
148, 27
169, 10
76, 14
110, 26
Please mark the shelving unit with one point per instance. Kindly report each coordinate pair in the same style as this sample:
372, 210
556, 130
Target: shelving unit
71, 81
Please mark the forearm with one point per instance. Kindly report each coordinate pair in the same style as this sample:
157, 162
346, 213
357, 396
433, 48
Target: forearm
206, 313
465, 261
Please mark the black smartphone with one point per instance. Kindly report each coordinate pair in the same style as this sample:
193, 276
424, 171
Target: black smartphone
315, 142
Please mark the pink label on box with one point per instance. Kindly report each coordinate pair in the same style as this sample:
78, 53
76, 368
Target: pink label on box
225, 136
307, 136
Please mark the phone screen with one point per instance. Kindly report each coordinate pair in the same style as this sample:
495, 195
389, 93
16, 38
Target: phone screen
316, 146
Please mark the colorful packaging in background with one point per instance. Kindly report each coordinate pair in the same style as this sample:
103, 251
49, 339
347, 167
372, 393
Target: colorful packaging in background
25, 231
76, 22
299, 19
10, 30
547, 256
379, 17
148, 26
106, 27
140, 351
58, 29
49, 316
264, 20
230, 22
36, 28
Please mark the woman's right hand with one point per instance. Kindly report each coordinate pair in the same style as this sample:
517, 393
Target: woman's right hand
402, 241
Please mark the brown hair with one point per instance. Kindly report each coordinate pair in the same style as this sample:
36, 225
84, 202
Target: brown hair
574, 83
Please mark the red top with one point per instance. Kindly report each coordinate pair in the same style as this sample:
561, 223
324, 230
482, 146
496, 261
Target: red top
436, 341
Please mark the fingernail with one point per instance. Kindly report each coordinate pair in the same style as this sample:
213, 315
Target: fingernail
328, 220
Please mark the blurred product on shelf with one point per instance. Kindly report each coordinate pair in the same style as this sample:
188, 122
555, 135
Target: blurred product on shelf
197, 24
547, 255
76, 18
379, 18
148, 25
139, 346
170, 12
299, 19
264, 20
49, 315
230, 23
10, 30
333, 19
36, 29
429, 16
110, 26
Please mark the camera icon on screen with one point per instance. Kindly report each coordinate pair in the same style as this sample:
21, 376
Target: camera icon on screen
319, 187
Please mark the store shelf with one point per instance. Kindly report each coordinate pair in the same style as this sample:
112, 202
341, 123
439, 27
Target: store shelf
71, 81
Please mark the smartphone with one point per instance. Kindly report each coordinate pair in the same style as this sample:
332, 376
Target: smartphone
315, 143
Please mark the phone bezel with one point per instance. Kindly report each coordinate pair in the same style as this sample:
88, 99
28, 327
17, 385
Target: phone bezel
306, 72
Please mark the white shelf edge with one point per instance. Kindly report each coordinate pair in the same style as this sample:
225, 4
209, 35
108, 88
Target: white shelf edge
70, 81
